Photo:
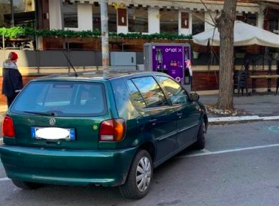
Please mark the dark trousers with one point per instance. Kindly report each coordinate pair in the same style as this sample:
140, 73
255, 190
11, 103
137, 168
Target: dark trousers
11, 99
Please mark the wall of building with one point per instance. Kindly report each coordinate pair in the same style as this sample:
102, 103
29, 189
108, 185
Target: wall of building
185, 31
85, 15
209, 80
209, 17
154, 20
55, 16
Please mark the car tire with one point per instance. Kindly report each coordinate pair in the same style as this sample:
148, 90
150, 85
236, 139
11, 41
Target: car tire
200, 143
26, 185
139, 178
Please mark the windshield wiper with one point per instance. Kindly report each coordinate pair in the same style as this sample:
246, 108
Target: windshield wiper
49, 114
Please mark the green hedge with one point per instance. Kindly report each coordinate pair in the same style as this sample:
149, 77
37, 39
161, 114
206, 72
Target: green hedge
15, 32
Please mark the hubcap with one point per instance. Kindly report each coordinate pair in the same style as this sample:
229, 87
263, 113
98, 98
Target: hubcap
143, 174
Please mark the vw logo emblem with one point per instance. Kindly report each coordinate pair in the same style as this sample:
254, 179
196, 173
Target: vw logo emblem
52, 121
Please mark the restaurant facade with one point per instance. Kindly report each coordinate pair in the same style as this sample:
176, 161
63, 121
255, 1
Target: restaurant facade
147, 17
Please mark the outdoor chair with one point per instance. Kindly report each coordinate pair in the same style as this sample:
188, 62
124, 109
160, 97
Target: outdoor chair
242, 82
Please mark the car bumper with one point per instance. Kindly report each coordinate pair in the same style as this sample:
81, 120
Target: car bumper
52, 166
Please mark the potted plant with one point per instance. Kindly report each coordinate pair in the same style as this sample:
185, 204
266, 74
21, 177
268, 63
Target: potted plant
195, 51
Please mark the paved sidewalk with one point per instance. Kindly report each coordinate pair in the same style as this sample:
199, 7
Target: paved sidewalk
261, 105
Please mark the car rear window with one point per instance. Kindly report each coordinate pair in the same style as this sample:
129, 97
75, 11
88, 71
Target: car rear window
62, 99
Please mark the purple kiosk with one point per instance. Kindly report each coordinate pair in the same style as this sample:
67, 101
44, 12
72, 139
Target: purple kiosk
172, 59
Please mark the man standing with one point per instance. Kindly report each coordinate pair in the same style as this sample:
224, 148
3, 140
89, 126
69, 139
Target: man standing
12, 79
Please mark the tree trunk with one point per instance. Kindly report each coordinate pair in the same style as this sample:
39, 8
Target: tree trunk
225, 24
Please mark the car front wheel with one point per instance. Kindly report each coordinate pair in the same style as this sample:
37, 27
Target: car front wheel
139, 177
200, 143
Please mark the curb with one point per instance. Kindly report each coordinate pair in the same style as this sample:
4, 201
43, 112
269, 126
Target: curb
241, 118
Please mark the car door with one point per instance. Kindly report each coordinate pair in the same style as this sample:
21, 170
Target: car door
187, 111
160, 121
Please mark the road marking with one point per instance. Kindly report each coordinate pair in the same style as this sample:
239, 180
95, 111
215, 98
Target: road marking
205, 151
228, 151
242, 118
270, 118
274, 129
4, 179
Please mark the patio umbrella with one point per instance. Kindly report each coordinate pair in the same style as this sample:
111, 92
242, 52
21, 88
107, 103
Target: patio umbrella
244, 35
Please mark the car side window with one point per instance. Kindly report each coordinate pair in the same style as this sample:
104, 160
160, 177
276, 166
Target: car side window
175, 93
135, 95
150, 91
124, 104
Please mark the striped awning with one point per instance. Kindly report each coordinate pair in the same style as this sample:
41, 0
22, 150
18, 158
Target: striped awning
192, 5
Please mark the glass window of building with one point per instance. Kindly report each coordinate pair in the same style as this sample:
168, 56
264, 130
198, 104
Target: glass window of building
248, 18
112, 21
96, 17
251, 19
5, 12
198, 23
70, 15
112, 18
24, 13
169, 21
138, 19
271, 20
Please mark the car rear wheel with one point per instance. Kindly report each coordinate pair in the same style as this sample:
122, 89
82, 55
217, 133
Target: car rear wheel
139, 177
200, 143
27, 185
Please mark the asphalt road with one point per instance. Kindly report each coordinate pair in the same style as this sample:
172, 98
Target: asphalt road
238, 167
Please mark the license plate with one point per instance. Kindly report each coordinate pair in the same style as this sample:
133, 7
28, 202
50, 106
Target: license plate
53, 133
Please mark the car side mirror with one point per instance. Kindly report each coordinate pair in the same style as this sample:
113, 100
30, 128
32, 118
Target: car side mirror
194, 97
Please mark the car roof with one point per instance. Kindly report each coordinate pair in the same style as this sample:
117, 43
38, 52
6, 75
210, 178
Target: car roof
100, 75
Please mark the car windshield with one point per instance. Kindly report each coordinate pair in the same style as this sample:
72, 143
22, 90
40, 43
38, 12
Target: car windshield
61, 99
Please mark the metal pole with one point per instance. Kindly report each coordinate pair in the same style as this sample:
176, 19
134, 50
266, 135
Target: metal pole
104, 34
12, 13
3, 42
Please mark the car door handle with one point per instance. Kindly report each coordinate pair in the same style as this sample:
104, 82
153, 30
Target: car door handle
179, 114
153, 121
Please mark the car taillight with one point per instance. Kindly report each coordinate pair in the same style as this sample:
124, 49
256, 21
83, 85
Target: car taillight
8, 129
112, 130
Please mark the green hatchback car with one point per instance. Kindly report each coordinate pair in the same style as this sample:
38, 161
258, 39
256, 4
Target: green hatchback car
110, 130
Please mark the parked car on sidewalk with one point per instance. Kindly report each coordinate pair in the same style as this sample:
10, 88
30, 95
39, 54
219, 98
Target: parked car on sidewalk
105, 131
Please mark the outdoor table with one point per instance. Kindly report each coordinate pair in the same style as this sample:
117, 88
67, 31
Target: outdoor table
268, 77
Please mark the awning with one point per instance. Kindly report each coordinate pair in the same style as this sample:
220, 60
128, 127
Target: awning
192, 5
271, 1
244, 35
